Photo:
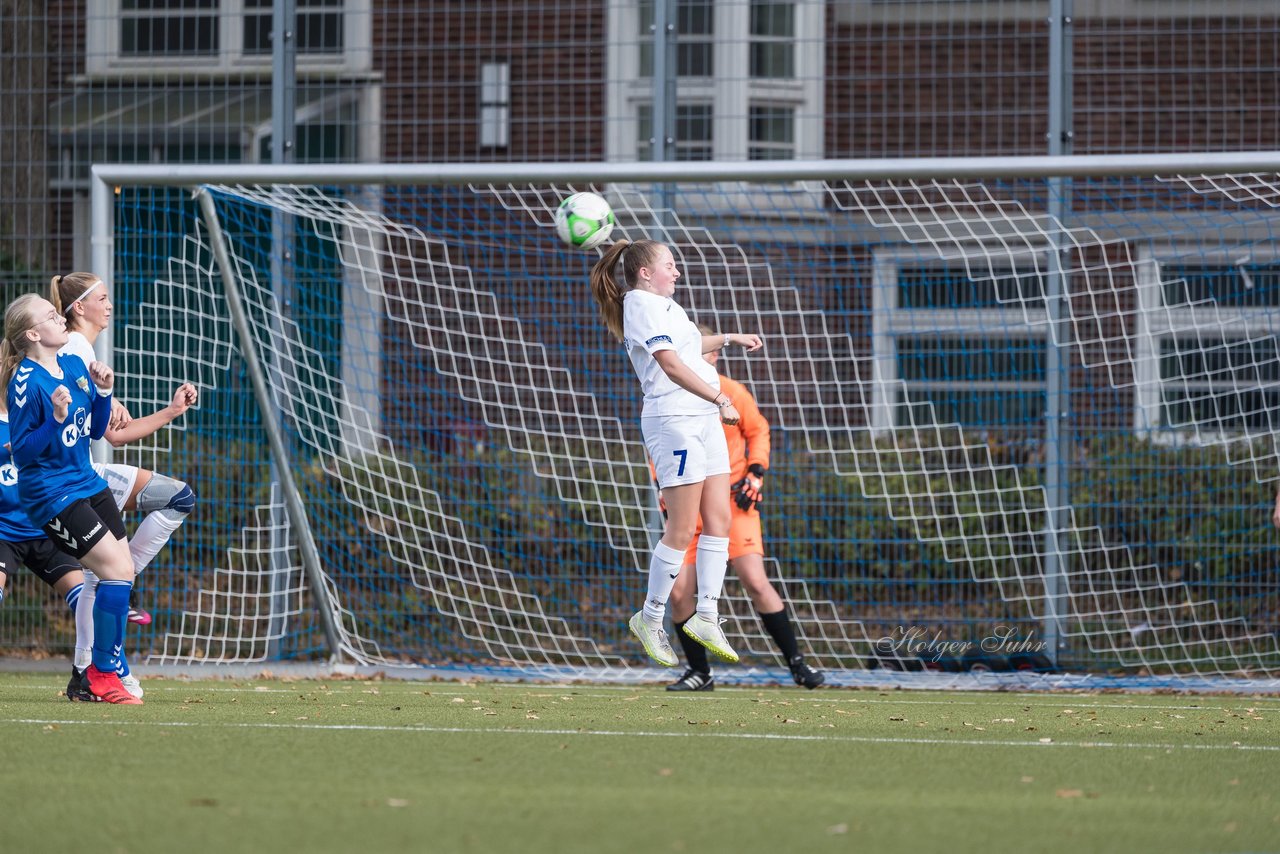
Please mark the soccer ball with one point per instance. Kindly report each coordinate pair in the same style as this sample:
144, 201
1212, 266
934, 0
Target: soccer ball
584, 220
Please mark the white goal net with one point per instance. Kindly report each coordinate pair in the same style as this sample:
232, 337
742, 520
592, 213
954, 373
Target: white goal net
1038, 410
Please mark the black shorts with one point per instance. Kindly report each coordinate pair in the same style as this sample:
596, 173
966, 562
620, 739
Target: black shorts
40, 556
82, 523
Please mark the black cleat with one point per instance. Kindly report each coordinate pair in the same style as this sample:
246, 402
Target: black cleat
805, 675
693, 680
78, 689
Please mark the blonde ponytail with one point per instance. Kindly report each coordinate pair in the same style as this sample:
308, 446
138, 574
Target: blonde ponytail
606, 288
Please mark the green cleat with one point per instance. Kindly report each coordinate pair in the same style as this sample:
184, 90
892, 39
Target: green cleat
654, 640
711, 636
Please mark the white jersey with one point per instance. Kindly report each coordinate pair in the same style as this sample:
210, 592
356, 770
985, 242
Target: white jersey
121, 478
651, 323
78, 345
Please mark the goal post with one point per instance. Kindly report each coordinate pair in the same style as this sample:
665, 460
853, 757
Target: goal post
1009, 429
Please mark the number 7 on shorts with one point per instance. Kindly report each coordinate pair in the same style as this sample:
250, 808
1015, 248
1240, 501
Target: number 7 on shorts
683, 455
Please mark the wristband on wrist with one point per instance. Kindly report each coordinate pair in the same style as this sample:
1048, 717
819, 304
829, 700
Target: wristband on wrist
725, 345
723, 402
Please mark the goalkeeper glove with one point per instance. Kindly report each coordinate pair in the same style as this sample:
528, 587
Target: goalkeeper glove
749, 491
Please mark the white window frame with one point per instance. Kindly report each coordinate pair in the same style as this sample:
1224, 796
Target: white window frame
767, 144
103, 59
729, 90
1154, 324
890, 322
495, 104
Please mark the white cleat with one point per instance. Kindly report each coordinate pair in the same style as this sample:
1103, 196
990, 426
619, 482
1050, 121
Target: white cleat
710, 635
654, 640
132, 685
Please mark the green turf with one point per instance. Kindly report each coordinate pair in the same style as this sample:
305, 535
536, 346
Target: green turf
398, 766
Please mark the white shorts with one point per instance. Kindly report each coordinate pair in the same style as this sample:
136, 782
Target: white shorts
685, 448
120, 478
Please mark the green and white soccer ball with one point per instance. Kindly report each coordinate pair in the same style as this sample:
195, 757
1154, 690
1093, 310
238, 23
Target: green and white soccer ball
584, 220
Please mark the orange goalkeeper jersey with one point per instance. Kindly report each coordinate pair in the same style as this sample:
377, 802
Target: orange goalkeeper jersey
749, 438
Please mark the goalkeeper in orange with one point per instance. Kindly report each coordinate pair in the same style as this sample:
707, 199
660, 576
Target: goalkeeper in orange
748, 442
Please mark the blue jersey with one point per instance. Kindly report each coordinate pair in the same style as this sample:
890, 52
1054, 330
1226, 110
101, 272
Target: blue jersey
52, 458
14, 524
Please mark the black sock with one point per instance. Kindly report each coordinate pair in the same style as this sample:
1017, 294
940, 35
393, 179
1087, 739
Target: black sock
695, 654
779, 627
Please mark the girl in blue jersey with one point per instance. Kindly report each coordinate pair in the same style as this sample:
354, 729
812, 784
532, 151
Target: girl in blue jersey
54, 410
22, 544
680, 421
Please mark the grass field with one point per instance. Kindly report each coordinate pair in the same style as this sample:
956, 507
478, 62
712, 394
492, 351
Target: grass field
373, 766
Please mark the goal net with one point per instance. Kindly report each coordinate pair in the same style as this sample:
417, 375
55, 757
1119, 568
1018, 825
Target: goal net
1015, 422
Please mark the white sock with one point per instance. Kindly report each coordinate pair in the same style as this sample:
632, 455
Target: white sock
152, 534
664, 569
713, 560
84, 621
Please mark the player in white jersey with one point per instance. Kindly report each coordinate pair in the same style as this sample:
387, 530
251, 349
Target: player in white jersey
633, 283
84, 301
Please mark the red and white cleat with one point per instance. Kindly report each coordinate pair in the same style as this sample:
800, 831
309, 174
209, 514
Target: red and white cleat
107, 688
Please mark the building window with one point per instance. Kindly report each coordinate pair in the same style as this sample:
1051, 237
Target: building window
319, 25
991, 381
941, 287
950, 349
695, 47
129, 37
749, 80
495, 104
772, 133
317, 142
694, 132
1226, 384
1243, 285
168, 27
773, 39
1207, 355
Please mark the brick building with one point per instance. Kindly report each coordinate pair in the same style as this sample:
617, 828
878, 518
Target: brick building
401, 81
501, 80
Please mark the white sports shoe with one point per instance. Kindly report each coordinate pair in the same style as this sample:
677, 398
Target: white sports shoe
132, 685
710, 635
654, 640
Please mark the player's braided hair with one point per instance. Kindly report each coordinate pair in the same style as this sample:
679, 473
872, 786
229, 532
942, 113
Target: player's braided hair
606, 288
